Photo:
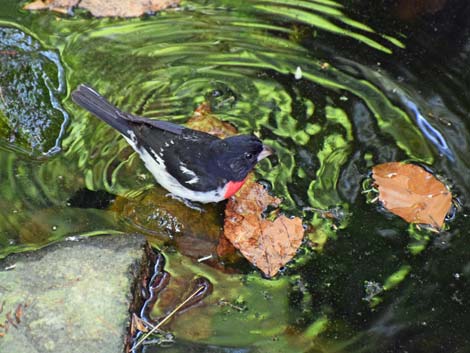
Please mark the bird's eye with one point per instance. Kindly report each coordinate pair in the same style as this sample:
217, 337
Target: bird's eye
248, 155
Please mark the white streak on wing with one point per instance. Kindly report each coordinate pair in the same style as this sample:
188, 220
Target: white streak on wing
166, 144
186, 170
130, 141
192, 181
158, 159
189, 172
132, 138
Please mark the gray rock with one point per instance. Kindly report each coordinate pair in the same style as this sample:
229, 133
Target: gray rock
72, 296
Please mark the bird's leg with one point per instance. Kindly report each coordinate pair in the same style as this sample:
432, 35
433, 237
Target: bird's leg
191, 205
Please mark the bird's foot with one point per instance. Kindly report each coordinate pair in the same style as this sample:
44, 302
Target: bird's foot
192, 205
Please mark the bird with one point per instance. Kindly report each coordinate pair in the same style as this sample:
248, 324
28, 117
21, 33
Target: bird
192, 165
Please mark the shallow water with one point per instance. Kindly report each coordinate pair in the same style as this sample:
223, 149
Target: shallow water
335, 87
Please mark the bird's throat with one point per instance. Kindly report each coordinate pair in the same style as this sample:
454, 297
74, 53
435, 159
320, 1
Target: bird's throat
233, 187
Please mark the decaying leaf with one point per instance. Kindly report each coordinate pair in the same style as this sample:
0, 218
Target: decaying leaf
225, 248
18, 313
268, 245
61, 6
104, 8
137, 324
412, 193
204, 120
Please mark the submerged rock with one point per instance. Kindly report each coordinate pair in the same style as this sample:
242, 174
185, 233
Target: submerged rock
32, 119
74, 296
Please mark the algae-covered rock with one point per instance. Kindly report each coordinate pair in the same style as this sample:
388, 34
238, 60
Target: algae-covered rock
31, 83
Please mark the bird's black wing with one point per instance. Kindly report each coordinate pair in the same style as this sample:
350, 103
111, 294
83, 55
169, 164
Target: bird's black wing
185, 154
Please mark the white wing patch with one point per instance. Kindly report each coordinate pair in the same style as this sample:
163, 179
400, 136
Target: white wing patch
189, 172
132, 140
158, 159
186, 170
192, 181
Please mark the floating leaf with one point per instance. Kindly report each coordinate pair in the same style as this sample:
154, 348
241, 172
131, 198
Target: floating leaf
104, 8
268, 245
225, 248
412, 193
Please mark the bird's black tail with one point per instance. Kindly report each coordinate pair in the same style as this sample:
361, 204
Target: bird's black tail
89, 99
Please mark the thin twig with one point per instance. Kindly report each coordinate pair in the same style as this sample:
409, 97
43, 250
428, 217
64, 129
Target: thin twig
168, 317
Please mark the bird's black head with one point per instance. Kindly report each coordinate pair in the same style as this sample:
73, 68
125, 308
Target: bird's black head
234, 157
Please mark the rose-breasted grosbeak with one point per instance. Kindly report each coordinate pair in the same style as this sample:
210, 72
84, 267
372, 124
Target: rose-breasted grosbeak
190, 164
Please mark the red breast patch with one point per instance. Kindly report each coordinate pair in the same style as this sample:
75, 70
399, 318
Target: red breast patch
233, 187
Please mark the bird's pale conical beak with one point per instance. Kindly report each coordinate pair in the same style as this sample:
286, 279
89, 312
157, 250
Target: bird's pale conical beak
266, 152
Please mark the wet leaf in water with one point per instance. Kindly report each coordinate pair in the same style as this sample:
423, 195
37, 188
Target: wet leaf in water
137, 324
412, 193
104, 8
19, 313
61, 6
204, 120
31, 79
225, 248
268, 245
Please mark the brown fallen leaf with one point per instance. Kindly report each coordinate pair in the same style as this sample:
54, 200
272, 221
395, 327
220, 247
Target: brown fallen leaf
137, 324
268, 245
18, 313
61, 6
225, 248
412, 193
104, 8
204, 120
